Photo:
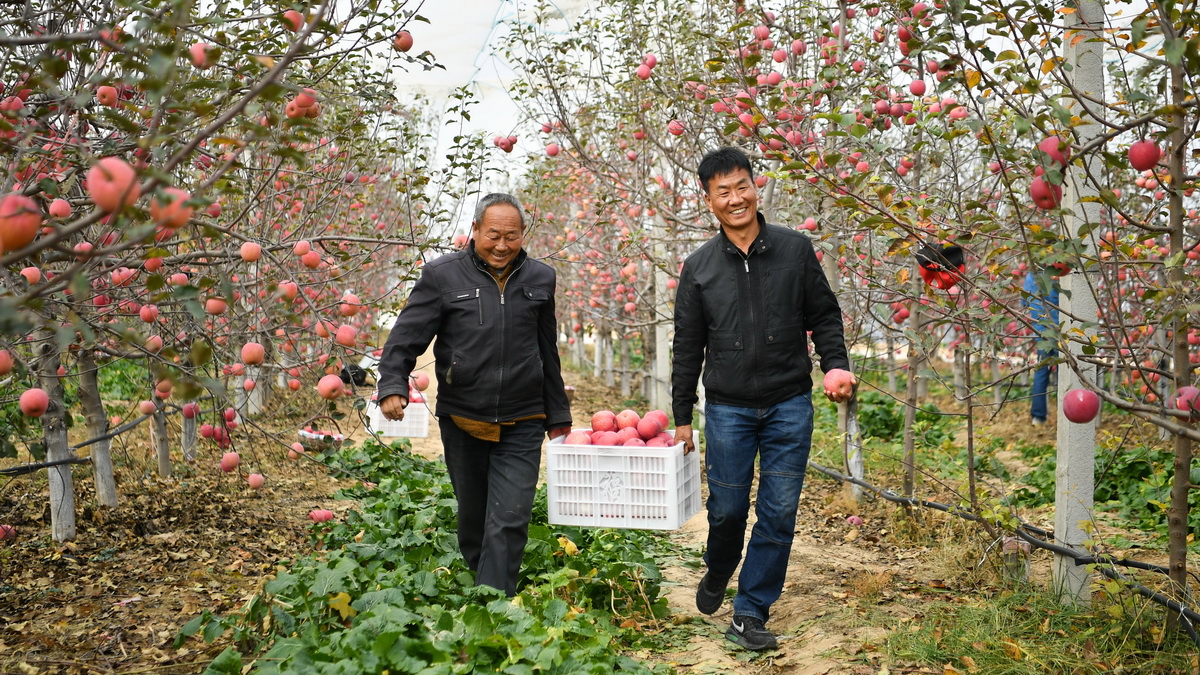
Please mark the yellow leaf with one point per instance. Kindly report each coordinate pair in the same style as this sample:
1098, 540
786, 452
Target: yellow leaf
970, 664
341, 602
568, 546
973, 78
950, 670
1066, 10
266, 61
1013, 649
902, 276
1049, 64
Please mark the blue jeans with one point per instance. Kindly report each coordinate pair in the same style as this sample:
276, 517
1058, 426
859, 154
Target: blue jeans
779, 437
1038, 405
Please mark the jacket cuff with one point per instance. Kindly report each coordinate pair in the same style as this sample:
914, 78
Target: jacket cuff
391, 391
682, 418
556, 420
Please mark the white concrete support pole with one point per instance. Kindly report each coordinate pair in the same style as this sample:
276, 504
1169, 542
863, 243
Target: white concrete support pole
660, 393
1074, 481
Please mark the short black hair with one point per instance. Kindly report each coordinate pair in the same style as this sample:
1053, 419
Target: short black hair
722, 161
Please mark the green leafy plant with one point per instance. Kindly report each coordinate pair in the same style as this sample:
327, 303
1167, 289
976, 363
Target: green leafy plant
879, 415
390, 590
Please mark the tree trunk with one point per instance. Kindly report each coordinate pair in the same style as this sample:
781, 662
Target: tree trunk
1177, 514
187, 439
609, 374
912, 398
598, 351
960, 376
160, 443
997, 389
97, 424
54, 433
626, 367
891, 364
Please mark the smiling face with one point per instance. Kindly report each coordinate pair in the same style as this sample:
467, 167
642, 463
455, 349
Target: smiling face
498, 236
733, 199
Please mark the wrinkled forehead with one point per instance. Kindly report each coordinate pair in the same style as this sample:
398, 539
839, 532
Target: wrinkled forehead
500, 217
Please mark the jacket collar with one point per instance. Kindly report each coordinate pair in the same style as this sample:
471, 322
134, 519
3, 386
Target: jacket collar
761, 242
483, 267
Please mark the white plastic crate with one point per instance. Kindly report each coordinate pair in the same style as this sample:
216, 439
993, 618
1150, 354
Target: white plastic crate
414, 425
637, 488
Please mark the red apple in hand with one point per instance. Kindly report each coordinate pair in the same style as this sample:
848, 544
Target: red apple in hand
1081, 405
839, 385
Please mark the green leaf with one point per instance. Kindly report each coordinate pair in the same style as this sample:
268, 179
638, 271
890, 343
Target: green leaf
1174, 49
1137, 31
229, 662
333, 580
214, 629
189, 629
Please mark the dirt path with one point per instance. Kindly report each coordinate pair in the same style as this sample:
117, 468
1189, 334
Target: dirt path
834, 569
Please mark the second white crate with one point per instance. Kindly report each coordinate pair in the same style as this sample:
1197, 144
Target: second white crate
414, 425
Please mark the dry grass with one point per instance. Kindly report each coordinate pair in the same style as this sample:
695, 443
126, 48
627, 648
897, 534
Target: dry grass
870, 585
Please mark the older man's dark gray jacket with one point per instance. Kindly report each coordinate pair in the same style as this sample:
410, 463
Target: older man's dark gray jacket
496, 353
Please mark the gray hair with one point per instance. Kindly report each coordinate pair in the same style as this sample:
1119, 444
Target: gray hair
494, 198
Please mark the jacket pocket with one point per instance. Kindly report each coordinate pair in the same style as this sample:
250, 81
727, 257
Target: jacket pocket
466, 305
455, 361
535, 294
724, 342
533, 299
784, 336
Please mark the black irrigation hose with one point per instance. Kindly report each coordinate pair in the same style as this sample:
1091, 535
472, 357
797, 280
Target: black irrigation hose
1103, 564
23, 469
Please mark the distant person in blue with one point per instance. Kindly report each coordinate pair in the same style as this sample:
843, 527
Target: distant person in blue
1042, 304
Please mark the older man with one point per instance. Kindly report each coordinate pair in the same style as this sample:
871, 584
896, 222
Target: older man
500, 386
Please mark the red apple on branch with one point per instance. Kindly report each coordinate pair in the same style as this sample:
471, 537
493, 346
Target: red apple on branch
1144, 155
1081, 405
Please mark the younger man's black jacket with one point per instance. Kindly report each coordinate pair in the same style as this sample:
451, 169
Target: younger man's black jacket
746, 318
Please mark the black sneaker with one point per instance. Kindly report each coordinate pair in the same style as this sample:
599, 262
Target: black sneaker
710, 593
748, 632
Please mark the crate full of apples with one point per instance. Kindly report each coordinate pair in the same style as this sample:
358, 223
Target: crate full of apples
624, 472
625, 428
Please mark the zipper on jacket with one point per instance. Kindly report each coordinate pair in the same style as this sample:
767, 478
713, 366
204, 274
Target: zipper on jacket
751, 350
503, 328
479, 305
503, 324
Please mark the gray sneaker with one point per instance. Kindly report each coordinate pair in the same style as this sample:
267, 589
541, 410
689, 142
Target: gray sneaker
748, 632
710, 593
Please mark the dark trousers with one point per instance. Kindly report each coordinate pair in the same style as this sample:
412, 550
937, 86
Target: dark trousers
494, 483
